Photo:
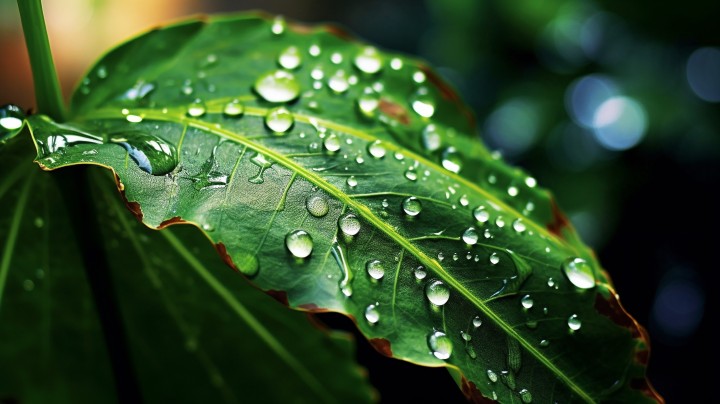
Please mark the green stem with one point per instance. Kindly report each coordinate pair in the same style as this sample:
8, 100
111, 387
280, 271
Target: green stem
47, 88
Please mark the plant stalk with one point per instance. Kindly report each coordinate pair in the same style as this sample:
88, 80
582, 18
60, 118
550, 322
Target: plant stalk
48, 96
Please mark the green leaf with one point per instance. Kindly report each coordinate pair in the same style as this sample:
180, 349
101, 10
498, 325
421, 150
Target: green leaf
196, 331
351, 180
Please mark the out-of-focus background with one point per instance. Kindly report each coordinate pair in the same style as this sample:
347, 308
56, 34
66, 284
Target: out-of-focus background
615, 106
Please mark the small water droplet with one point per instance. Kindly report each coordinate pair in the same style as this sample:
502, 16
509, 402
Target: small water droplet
411, 174
396, 63
314, 50
508, 378
290, 58
494, 258
519, 226
371, 314
551, 282
299, 243
12, 119
368, 60
418, 77
579, 273
278, 25
440, 256
525, 396
317, 206
492, 376
338, 82
336, 58
530, 182
377, 149
277, 86
368, 103
470, 236
437, 292
466, 336
352, 181
464, 201
477, 322
152, 154
423, 103
471, 351
544, 343
512, 191
102, 72
349, 224
375, 269
233, 108
279, 120
527, 302
332, 143
197, 108
480, 214
263, 164
451, 160
440, 345
412, 206
574, 322
500, 222
487, 233
420, 272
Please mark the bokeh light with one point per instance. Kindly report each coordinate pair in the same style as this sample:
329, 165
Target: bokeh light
703, 73
513, 127
619, 123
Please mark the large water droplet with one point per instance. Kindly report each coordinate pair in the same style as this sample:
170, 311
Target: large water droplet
151, 153
12, 119
277, 86
279, 120
440, 345
574, 322
299, 243
423, 103
338, 82
371, 314
196, 109
411, 206
470, 236
480, 214
375, 269
437, 292
233, 108
368, 60
411, 174
494, 258
579, 272
290, 58
519, 226
527, 302
525, 396
377, 149
349, 224
451, 160
317, 206
332, 143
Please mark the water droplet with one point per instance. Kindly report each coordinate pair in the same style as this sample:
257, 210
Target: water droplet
530, 182
368, 103
152, 154
480, 214
278, 25
377, 149
477, 321
349, 224
332, 143
338, 252
411, 174
440, 256
418, 77
411, 206
352, 181
551, 282
263, 164
470, 236
375, 269
574, 322
464, 201
277, 86
317, 206
471, 351
440, 345
12, 119
368, 60
279, 120
233, 108
396, 63
102, 72
431, 137
512, 191
466, 336
518, 226
579, 273
451, 160
499, 222
525, 396
420, 273
492, 376
508, 378
527, 302
437, 292
196, 109
290, 58
338, 82
487, 233
299, 243
336, 58
422, 103
544, 343
371, 314
494, 258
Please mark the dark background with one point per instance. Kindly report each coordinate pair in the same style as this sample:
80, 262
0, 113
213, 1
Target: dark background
641, 191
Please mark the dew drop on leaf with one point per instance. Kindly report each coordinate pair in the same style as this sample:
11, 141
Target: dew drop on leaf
440, 345
368, 103
263, 163
332, 143
518, 225
437, 292
512, 191
411, 174
368, 60
411, 206
465, 336
470, 236
525, 396
471, 352
152, 154
278, 25
338, 82
349, 224
352, 181
317, 206
377, 149
196, 109
431, 137
544, 343
481, 214
290, 58
314, 50
299, 243
371, 314
277, 86
579, 273
492, 376
500, 222
375, 269
233, 108
527, 302
396, 63
12, 119
420, 272
279, 120
422, 103
418, 77
494, 258
451, 160
477, 321
574, 322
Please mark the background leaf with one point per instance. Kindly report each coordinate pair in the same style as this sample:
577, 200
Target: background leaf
196, 331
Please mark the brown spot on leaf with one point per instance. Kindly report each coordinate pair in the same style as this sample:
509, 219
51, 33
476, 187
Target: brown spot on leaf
612, 309
472, 393
394, 111
311, 307
220, 247
559, 221
381, 345
171, 221
279, 295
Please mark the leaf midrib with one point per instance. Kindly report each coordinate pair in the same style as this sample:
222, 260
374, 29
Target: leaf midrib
361, 209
